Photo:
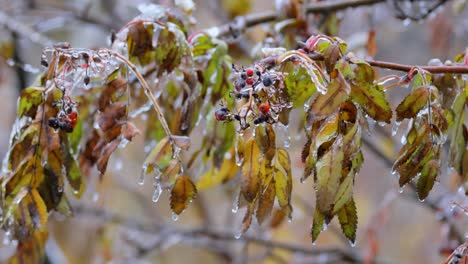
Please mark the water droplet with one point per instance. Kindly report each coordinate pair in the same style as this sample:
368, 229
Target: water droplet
95, 196
401, 189
395, 127
324, 227
141, 181
306, 107
381, 123
157, 192
422, 200
314, 243
175, 217
406, 22
403, 140
352, 243
235, 204
238, 235
452, 207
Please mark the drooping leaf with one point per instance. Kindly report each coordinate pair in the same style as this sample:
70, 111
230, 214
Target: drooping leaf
283, 180
251, 181
299, 86
328, 177
324, 104
29, 100
457, 140
265, 202
427, 178
369, 96
317, 224
182, 193
413, 103
348, 220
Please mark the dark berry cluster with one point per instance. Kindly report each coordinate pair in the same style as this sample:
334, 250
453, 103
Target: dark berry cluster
253, 90
67, 116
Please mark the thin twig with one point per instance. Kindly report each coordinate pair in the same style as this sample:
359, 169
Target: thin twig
456, 69
251, 20
216, 235
24, 31
148, 92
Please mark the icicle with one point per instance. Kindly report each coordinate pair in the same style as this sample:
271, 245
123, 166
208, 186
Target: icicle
395, 127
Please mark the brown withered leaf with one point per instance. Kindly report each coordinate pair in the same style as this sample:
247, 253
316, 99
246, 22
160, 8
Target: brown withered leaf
265, 202
413, 103
105, 154
251, 180
182, 193
277, 218
247, 220
331, 55
324, 104
111, 93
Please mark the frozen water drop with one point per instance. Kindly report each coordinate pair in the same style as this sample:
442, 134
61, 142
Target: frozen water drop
395, 127
238, 235
95, 196
314, 243
403, 140
157, 192
406, 22
401, 189
422, 200
235, 205
324, 227
352, 243
175, 217
141, 181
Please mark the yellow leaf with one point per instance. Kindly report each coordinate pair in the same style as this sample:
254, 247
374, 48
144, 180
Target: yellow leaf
251, 181
182, 194
265, 202
41, 208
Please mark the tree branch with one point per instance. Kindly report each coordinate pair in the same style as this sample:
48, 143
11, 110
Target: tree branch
243, 22
24, 31
216, 235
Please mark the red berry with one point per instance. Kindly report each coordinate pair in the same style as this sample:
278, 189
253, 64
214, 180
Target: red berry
250, 72
249, 81
264, 108
73, 115
221, 114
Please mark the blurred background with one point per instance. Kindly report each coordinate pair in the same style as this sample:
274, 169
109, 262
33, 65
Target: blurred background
116, 220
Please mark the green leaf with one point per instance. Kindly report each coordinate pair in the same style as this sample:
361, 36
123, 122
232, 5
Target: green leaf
324, 104
317, 224
348, 220
29, 99
328, 177
345, 191
182, 193
369, 96
413, 103
299, 86
251, 181
427, 179
283, 180
457, 140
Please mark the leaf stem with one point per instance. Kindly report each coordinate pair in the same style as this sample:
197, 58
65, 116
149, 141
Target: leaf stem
148, 92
